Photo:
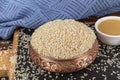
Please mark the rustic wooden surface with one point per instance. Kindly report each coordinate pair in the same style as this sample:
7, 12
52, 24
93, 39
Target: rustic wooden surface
93, 19
7, 69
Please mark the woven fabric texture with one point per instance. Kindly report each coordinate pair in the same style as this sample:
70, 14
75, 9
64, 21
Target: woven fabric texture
33, 13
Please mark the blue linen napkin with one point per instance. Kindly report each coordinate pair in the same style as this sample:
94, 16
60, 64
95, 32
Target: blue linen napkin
33, 13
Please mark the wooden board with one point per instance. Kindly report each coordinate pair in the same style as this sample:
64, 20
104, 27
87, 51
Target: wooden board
8, 56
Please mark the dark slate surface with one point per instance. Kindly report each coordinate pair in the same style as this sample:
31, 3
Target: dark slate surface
105, 67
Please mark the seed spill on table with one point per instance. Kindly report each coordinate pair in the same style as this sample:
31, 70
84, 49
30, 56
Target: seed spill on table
106, 64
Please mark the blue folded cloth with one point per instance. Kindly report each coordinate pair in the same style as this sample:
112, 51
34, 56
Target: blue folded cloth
33, 13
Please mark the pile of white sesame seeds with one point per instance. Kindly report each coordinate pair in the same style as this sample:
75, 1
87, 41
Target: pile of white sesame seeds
63, 39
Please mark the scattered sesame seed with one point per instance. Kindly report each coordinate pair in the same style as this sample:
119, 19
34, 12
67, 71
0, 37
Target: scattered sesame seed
104, 62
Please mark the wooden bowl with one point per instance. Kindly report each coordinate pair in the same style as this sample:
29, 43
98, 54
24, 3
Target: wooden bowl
67, 65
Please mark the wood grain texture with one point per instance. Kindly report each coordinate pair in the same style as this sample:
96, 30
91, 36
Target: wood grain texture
7, 68
93, 19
